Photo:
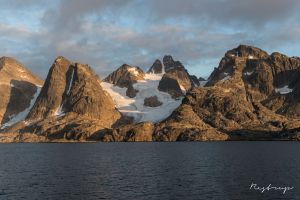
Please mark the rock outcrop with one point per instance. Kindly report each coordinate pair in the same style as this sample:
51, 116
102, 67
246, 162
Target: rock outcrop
140, 132
170, 85
176, 78
18, 87
176, 69
185, 125
125, 76
131, 92
152, 101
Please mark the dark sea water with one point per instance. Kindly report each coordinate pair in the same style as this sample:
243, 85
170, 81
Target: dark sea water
203, 170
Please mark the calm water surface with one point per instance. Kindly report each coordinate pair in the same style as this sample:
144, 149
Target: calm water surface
213, 170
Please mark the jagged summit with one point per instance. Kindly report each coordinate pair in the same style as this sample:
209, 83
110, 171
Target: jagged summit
51, 95
157, 67
247, 51
170, 64
176, 80
125, 75
7, 59
166, 65
13, 69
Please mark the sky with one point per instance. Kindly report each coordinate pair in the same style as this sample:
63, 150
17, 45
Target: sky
108, 33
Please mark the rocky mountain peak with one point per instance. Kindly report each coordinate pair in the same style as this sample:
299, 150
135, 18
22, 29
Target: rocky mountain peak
246, 51
51, 95
176, 80
61, 59
279, 57
156, 68
250, 95
170, 64
71, 104
8, 60
18, 88
13, 69
71, 87
125, 75
168, 59
85, 96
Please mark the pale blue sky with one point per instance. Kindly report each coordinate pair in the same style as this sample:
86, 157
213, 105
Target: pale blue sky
107, 33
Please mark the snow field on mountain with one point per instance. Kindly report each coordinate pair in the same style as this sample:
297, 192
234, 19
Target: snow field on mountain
135, 106
22, 115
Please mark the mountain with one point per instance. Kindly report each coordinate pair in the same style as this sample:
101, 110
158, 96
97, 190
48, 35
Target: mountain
150, 96
71, 104
157, 67
176, 79
142, 100
125, 76
251, 95
19, 89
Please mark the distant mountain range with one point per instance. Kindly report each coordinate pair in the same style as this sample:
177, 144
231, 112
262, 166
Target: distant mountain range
251, 95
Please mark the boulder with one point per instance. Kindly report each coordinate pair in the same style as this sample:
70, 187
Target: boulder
152, 102
131, 91
170, 84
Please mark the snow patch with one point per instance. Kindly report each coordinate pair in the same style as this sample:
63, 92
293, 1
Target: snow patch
22, 115
202, 83
248, 73
284, 90
250, 57
59, 111
225, 78
163, 71
135, 108
23, 76
133, 71
183, 90
71, 81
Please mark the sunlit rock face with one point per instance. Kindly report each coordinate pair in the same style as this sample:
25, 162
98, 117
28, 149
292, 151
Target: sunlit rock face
125, 76
250, 95
71, 104
18, 88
